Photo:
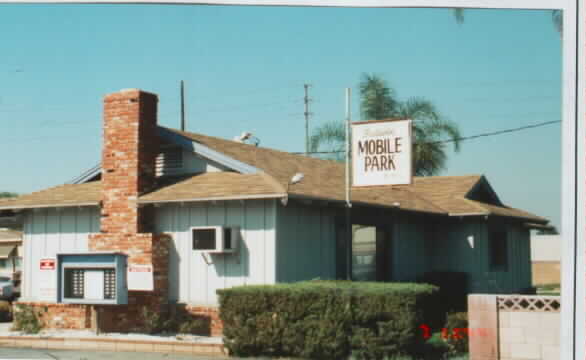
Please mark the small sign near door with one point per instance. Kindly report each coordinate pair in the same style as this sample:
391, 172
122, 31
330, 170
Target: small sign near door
47, 264
48, 279
140, 277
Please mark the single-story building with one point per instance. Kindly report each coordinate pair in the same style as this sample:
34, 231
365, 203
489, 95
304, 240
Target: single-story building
546, 256
207, 213
10, 253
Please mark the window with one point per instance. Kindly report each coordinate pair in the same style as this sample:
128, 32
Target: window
498, 251
109, 284
204, 239
76, 288
364, 252
3, 264
74, 283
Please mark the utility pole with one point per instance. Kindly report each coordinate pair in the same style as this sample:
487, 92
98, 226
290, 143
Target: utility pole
306, 113
182, 107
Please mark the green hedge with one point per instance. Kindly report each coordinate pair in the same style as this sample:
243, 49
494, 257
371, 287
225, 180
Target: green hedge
325, 319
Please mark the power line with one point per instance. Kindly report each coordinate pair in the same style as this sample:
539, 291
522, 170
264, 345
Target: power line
493, 133
499, 132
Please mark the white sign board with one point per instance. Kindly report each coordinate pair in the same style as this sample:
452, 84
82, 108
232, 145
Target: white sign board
381, 153
48, 279
140, 277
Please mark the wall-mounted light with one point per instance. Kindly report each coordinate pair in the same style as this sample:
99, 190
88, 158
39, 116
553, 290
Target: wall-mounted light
294, 180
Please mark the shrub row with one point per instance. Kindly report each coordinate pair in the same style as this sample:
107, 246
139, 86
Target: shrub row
325, 319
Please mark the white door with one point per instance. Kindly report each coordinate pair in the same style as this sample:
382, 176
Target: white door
94, 285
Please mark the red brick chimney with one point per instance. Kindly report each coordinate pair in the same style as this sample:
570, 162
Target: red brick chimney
128, 170
128, 159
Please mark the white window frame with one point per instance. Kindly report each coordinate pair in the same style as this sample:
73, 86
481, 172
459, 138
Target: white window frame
573, 155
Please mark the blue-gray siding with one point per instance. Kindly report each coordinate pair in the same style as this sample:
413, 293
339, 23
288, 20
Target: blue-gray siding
51, 231
306, 240
195, 279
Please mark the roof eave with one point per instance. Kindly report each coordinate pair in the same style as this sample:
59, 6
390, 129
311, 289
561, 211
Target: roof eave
520, 218
26, 207
214, 198
364, 203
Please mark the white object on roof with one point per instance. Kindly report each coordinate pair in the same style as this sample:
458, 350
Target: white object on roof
297, 178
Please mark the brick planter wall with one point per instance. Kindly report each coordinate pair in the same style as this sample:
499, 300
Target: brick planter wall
61, 316
211, 315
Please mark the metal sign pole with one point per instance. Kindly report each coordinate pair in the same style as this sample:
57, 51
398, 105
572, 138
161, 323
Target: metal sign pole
348, 202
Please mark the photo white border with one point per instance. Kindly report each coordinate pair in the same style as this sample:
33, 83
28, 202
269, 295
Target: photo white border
573, 325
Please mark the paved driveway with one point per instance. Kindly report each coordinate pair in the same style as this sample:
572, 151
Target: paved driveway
21, 353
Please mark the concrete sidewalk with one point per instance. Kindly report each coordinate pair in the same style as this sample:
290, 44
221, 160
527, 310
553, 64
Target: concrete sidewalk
41, 354
82, 340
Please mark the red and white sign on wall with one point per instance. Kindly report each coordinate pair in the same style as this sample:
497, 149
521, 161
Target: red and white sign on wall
47, 264
381, 153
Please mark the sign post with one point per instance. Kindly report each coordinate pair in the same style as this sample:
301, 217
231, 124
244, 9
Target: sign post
382, 153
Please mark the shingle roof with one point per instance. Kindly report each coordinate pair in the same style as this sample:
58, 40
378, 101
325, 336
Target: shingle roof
63, 195
215, 185
323, 179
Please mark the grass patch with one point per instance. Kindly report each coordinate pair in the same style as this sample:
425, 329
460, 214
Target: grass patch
548, 289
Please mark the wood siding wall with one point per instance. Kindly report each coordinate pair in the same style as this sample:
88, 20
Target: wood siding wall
306, 243
409, 256
193, 279
463, 245
51, 231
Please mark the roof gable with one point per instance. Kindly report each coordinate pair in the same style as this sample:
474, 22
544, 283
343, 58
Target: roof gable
483, 192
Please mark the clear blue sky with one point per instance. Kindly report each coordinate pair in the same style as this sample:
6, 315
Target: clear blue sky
245, 67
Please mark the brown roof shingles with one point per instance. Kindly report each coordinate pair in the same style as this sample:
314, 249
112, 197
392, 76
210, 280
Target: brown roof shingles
214, 185
323, 179
63, 195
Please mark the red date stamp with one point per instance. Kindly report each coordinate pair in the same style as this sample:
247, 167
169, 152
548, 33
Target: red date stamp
455, 333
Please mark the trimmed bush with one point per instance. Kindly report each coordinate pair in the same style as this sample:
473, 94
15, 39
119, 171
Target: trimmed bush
457, 330
27, 319
324, 319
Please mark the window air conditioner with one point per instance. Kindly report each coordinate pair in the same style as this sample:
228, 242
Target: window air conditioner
215, 239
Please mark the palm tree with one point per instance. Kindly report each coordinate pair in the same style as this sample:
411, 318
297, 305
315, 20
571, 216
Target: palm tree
378, 101
556, 18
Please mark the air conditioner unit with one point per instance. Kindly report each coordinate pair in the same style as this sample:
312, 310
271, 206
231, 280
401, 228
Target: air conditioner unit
215, 239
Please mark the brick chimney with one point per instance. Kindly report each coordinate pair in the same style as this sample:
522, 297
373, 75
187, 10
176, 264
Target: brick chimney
128, 170
128, 159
